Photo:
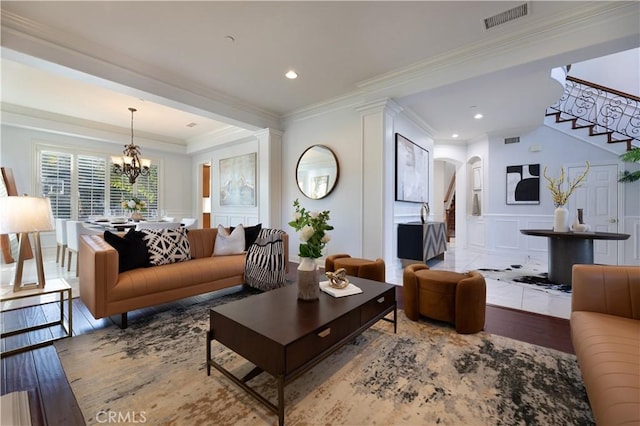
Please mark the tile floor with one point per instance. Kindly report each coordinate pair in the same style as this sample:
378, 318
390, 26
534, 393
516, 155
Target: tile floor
499, 293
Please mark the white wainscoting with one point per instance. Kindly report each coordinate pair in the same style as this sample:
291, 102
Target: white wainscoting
501, 233
631, 225
227, 220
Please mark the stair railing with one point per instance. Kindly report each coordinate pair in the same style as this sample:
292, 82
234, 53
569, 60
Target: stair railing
605, 108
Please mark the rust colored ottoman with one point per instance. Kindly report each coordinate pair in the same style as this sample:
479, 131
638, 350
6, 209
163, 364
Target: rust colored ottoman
362, 268
447, 296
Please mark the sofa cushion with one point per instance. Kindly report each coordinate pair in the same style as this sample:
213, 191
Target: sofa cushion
608, 351
132, 249
167, 245
250, 234
229, 243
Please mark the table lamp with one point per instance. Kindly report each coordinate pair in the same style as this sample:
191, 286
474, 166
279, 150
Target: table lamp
24, 215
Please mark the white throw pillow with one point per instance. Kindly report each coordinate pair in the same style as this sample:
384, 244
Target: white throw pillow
229, 243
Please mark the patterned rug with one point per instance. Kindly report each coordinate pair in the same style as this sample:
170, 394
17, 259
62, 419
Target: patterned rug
155, 372
532, 277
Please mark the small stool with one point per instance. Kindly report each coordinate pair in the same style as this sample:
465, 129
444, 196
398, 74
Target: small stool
362, 268
447, 296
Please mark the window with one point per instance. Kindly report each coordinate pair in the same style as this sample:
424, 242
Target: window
55, 181
80, 186
146, 189
91, 186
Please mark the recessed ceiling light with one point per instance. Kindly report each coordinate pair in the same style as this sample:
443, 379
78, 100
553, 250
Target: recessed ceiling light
455, 135
291, 75
478, 116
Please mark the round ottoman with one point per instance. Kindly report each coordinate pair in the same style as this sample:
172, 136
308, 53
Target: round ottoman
357, 267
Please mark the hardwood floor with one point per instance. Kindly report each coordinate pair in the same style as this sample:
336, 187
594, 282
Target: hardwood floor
40, 372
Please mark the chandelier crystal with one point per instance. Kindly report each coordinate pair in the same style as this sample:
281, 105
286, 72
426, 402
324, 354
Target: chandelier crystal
130, 164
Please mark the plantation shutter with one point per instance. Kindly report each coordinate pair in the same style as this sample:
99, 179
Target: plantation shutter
91, 186
55, 181
148, 191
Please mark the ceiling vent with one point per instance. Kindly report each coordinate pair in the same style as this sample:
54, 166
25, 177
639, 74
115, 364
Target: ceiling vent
506, 16
515, 139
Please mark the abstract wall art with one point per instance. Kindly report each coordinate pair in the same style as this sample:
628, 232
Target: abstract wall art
412, 171
523, 184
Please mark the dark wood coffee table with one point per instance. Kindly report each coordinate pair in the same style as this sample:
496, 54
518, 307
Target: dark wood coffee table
285, 337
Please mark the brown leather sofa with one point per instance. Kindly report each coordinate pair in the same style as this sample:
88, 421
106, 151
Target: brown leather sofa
605, 331
106, 292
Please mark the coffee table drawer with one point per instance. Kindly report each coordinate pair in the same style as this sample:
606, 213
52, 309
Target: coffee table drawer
310, 346
376, 306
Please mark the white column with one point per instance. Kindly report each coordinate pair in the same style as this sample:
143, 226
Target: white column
377, 177
270, 177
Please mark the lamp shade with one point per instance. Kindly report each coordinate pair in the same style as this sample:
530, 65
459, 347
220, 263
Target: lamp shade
25, 214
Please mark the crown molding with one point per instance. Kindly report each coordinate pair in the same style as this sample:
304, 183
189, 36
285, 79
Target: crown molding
218, 138
34, 39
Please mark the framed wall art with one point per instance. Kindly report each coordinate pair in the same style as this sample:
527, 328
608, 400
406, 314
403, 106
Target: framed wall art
238, 180
523, 184
412, 171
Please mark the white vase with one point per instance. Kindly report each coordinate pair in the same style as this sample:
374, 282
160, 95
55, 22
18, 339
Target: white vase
561, 219
308, 279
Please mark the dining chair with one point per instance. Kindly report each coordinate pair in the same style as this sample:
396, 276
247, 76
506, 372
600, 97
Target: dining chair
75, 228
61, 240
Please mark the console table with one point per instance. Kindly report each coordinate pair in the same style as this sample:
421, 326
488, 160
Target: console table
422, 241
569, 248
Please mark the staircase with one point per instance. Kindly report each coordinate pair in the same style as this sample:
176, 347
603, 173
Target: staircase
450, 209
601, 110
450, 218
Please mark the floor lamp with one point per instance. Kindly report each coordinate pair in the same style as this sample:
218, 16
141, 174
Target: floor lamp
24, 215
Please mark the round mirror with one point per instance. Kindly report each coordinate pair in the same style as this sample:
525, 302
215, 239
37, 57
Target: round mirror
317, 172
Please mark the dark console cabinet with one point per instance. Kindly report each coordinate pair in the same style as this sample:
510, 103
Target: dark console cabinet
422, 241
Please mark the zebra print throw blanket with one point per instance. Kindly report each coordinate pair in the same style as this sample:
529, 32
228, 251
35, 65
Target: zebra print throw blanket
265, 265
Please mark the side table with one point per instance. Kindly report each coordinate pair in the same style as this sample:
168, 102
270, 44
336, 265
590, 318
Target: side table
53, 286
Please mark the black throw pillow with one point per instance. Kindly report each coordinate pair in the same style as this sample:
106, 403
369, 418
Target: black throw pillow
132, 250
250, 234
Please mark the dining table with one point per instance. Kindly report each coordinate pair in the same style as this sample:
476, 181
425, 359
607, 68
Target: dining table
569, 248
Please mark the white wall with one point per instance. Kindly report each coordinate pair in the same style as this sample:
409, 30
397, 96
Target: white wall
340, 131
618, 71
224, 215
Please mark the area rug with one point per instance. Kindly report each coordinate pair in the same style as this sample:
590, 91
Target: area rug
426, 374
525, 276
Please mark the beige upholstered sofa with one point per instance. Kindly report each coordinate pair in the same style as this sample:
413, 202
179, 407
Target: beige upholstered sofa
605, 331
107, 292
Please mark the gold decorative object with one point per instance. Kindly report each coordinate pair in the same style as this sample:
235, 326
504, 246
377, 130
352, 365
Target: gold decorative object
338, 279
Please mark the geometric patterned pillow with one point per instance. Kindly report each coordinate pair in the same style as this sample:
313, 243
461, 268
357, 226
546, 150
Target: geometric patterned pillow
167, 245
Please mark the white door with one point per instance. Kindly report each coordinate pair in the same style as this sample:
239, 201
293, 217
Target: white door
598, 196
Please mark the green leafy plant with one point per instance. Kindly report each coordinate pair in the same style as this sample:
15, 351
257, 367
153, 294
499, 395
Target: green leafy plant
312, 227
632, 156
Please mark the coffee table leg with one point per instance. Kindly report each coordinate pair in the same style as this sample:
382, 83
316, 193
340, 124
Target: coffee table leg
395, 318
281, 400
208, 353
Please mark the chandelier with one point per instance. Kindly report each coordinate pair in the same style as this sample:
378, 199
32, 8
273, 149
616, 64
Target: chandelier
130, 164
